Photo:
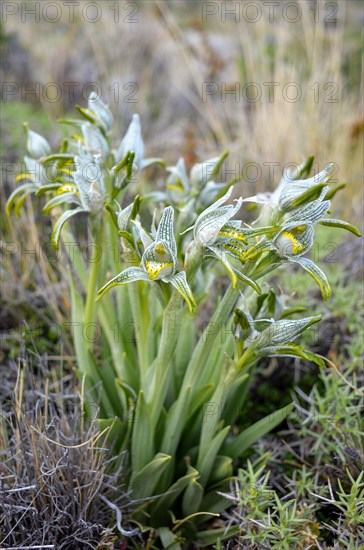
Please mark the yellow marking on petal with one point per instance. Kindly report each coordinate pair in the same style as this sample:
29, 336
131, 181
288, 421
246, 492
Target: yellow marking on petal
233, 234
297, 245
159, 248
178, 186
300, 229
66, 171
236, 248
23, 176
79, 138
154, 268
68, 188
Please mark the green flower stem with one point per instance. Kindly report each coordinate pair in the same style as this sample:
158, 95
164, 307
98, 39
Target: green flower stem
92, 286
172, 319
141, 317
210, 334
107, 316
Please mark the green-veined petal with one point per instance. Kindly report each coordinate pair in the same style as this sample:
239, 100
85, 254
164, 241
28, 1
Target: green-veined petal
165, 230
179, 282
60, 223
317, 274
129, 275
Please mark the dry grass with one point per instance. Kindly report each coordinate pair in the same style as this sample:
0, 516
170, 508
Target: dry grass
54, 488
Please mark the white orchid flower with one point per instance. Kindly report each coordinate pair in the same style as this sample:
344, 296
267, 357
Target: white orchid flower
158, 262
103, 115
37, 145
216, 235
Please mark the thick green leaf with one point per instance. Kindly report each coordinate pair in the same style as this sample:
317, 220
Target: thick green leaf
175, 422
168, 539
248, 437
222, 469
165, 502
211, 536
192, 498
143, 484
205, 462
142, 445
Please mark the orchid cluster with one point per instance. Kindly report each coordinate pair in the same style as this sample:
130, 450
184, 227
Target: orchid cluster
153, 390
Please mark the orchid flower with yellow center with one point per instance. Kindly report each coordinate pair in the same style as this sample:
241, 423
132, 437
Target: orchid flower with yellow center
158, 262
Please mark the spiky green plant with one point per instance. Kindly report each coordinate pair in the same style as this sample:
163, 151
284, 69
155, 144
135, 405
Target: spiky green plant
169, 391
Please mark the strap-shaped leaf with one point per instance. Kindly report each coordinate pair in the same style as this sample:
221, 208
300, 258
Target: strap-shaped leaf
179, 282
259, 429
129, 275
143, 484
212, 536
317, 274
165, 231
192, 497
56, 233
164, 504
206, 461
342, 225
174, 422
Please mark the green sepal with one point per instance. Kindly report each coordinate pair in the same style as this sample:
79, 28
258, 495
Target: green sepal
341, 225
65, 198
19, 193
293, 350
310, 195
332, 192
317, 274
45, 188
65, 157
56, 233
